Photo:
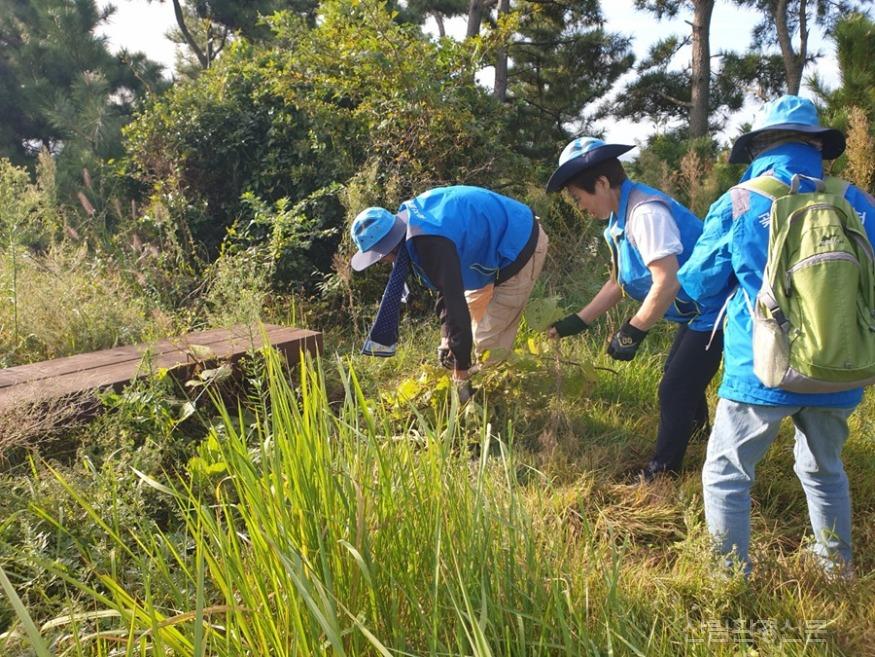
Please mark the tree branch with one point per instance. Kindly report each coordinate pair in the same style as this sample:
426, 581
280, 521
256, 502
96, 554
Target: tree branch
673, 100
189, 39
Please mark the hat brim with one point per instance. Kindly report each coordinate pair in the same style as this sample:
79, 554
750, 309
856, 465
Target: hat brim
574, 166
364, 259
833, 141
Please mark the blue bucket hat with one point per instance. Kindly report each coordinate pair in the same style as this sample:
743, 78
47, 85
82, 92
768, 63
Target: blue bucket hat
789, 114
375, 231
582, 153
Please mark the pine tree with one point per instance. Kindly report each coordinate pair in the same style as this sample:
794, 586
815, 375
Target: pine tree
698, 94
61, 89
784, 20
562, 60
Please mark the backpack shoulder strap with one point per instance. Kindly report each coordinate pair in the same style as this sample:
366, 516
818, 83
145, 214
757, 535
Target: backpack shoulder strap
836, 186
767, 186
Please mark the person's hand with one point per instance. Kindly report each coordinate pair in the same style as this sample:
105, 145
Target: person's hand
570, 325
625, 342
446, 358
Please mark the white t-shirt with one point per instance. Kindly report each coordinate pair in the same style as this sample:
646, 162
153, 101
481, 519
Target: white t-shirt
652, 230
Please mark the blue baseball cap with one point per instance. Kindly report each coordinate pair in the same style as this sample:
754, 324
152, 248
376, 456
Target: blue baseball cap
375, 231
581, 154
789, 114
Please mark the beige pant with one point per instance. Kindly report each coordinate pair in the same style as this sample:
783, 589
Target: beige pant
496, 310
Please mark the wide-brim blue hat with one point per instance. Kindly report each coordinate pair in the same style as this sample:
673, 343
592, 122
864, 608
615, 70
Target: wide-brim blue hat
582, 153
789, 114
376, 232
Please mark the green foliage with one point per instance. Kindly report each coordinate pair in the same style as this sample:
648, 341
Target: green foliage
563, 60
352, 539
825, 13
260, 144
523, 388
28, 214
293, 238
851, 106
60, 87
211, 140
409, 101
854, 38
65, 303
694, 171
662, 93
238, 285
541, 312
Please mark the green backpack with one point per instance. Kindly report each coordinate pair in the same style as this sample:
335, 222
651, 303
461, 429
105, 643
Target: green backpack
814, 316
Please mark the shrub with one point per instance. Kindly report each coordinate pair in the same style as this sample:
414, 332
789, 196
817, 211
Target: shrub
29, 215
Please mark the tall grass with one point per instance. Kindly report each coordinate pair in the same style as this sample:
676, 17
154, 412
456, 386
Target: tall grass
311, 528
66, 302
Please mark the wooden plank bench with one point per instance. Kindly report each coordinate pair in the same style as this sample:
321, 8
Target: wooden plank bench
114, 368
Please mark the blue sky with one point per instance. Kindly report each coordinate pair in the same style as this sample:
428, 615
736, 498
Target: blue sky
141, 26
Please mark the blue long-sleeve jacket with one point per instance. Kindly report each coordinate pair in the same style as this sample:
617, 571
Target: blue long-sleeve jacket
732, 253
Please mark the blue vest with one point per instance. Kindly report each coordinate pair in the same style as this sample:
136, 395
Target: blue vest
631, 272
488, 229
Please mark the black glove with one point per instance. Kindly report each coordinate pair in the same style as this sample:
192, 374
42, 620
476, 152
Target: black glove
446, 358
571, 325
625, 342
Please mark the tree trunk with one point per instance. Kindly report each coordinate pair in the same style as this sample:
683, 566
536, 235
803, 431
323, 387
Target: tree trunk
189, 39
439, 21
793, 63
500, 87
701, 74
475, 17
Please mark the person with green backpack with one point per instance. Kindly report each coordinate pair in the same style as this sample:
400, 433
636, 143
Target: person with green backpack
791, 251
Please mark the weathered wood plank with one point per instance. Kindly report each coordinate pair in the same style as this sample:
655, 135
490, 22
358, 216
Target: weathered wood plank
172, 354
96, 359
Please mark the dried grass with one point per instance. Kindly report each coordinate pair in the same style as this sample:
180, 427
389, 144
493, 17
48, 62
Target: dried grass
32, 419
860, 151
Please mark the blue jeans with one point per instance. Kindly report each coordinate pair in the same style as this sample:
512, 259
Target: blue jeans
741, 435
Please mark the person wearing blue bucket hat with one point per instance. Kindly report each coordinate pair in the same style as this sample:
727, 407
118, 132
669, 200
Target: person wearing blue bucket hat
785, 150
650, 235
789, 118
481, 252
376, 232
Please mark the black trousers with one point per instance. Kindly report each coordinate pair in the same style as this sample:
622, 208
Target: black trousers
683, 407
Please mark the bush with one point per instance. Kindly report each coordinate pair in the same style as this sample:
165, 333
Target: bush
28, 213
694, 171
258, 148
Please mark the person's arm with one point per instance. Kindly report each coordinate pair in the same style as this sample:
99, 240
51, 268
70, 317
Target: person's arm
606, 298
708, 272
440, 263
654, 233
661, 295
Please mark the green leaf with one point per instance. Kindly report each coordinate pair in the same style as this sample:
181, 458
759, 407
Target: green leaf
408, 390
542, 312
187, 410
36, 640
152, 483
217, 374
200, 352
